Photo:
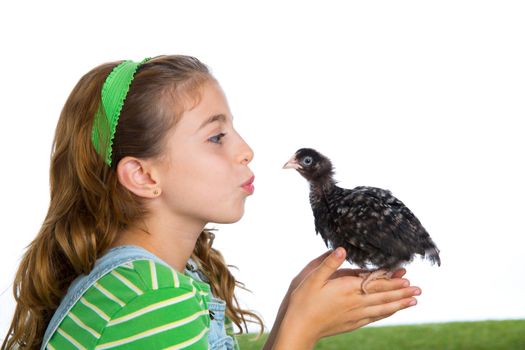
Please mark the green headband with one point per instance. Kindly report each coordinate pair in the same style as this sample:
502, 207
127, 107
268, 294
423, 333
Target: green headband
114, 94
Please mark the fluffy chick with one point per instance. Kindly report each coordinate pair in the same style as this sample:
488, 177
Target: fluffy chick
378, 232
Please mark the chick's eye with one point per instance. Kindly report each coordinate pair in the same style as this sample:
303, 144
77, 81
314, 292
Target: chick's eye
217, 138
307, 160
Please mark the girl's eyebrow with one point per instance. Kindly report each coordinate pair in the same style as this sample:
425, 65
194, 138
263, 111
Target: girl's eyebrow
214, 118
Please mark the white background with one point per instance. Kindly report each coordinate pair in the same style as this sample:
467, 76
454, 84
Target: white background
425, 98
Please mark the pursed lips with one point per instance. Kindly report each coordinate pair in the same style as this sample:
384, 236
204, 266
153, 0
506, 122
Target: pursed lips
248, 185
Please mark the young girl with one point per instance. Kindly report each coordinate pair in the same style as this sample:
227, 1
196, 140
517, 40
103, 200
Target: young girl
145, 155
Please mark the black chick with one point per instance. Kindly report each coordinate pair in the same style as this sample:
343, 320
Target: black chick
378, 232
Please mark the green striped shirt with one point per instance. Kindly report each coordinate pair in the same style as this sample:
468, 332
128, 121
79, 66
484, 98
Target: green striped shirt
139, 305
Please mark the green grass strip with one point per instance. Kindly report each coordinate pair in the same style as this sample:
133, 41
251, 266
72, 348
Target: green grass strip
493, 335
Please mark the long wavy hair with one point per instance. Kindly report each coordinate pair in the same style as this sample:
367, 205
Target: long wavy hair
89, 206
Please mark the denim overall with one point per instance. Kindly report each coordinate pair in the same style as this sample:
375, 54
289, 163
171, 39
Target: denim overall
217, 337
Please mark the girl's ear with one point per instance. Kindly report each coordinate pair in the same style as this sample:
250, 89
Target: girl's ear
136, 175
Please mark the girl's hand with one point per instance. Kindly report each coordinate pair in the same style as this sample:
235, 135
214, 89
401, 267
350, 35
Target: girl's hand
328, 302
312, 265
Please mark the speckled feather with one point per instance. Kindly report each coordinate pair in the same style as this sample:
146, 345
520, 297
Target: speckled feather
377, 230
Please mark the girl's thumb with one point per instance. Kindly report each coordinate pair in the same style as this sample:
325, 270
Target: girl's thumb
329, 265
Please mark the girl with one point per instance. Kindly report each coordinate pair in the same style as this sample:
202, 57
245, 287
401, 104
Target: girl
145, 155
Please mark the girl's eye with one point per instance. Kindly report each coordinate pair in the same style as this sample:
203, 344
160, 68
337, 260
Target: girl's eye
217, 138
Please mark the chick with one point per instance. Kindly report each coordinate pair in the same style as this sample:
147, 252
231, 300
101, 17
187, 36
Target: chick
378, 232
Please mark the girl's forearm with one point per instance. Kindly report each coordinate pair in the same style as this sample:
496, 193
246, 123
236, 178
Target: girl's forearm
277, 324
286, 333
291, 335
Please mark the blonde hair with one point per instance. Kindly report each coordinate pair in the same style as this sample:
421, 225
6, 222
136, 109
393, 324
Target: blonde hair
88, 205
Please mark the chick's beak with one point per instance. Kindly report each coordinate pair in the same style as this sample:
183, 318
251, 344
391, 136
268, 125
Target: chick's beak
292, 164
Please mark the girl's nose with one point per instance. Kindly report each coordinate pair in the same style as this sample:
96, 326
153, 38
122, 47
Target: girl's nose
246, 154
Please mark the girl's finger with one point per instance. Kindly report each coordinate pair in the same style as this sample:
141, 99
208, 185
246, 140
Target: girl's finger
363, 322
384, 285
375, 319
351, 285
312, 265
319, 259
346, 272
382, 310
327, 267
391, 296
399, 273
368, 320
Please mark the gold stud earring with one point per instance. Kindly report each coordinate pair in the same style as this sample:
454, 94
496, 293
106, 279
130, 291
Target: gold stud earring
156, 192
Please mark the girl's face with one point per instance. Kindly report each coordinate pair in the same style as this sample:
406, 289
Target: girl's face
206, 163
